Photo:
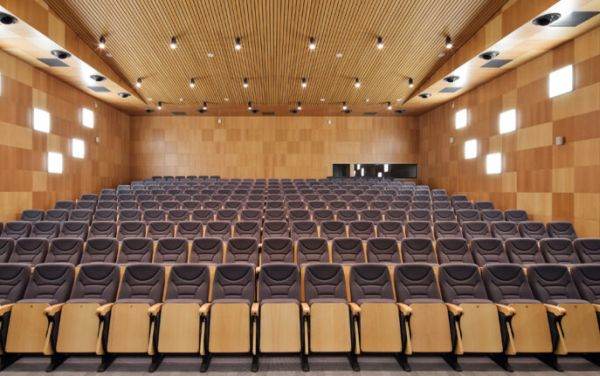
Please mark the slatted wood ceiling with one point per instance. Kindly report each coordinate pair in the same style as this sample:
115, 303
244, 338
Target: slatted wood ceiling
275, 55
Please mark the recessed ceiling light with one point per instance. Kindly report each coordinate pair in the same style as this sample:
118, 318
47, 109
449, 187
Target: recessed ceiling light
192, 83
546, 19
399, 100
357, 83
7, 19
60, 54
312, 44
97, 77
304, 82
102, 42
322, 99
441, 55
210, 54
181, 99
204, 106
449, 43
344, 106
226, 99
367, 100
237, 44
245, 83
173, 43
138, 83
299, 106
411, 82
389, 106
425, 95
150, 99
489, 55
379, 43
339, 55
124, 95
249, 106
451, 78
159, 106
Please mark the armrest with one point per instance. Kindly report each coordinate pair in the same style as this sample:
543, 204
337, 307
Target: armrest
53, 309
257, 269
6, 308
596, 307
355, 308
454, 309
254, 309
305, 309
506, 310
204, 309
155, 309
104, 310
555, 310
404, 309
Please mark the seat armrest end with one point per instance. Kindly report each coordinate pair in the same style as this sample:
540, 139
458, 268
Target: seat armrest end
155, 309
555, 310
354, 308
405, 309
454, 309
305, 309
104, 310
204, 309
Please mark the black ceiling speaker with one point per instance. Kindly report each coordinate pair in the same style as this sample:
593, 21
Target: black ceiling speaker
97, 77
124, 95
451, 78
7, 19
489, 55
60, 54
425, 95
546, 19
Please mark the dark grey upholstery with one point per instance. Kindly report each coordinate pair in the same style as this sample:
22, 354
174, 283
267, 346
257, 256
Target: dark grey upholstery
65, 250
588, 249
96, 283
492, 215
444, 215
484, 205
370, 282
558, 251
312, 250
135, 250
476, 230
203, 215
505, 230
303, 229
277, 250
218, 229
154, 215
56, 215
523, 251
13, 281
416, 283
242, 250
275, 229
251, 215
462, 283
453, 250
390, 229
230, 215
563, 230
160, 230
188, 283
324, 282
418, 229
74, 229
417, 250
32, 215
234, 282
178, 215
419, 215
587, 280
173, 250
128, 215
346, 215
516, 215
142, 283
189, 230
275, 215
81, 215
105, 215
533, 230
345, 250
16, 229
50, 283
488, 250
100, 250
507, 284
247, 229
396, 215
371, 215
383, 250
462, 205
29, 251
552, 284
333, 229
7, 245
361, 229
207, 250
131, 229
103, 230
86, 205
279, 281
45, 229
445, 229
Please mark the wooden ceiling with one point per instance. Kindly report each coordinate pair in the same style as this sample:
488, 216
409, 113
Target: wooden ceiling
275, 54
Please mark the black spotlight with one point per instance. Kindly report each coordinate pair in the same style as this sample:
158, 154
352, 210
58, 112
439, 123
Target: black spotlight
546, 19
60, 54
124, 95
451, 78
149, 110
425, 95
97, 77
7, 19
489, 55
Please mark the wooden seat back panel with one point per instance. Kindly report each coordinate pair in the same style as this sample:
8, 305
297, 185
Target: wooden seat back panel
330, 327
531, 333
480, 328
229, 328
580, 328
79, 328
280, 327
430, 328
179, 328
129, 328
380, 328
27, 329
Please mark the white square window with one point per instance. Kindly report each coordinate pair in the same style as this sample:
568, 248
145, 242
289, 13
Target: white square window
460, 119
77, 148
87, 117
55, 163
493, 163
41, 120
470, 149
508, 121
560, 81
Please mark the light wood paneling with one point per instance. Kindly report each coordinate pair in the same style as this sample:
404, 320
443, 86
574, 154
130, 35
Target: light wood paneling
265, 147
551, 182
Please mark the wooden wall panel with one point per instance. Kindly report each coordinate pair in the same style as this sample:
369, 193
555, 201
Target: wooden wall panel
264, 147
551, 182
24, 182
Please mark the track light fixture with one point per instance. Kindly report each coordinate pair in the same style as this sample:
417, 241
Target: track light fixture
7, 19
389, 106
411, 83
357, 83
138, 83
159, 105
299, 106
379, 43
102, 42
204, 106
60, 54
173, 44
344, 106
304, 82
250, 107
245, 83
312, 44
192, 83
238, 44
449, 44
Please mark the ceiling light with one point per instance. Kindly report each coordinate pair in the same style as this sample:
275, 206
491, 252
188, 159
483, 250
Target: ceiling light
124, 95
389, 106
7, 19
344, 107
411, 83
192, 83
357, 83
249, 106
245, 83
204, 106
181, 99
299, 106
379, 43
339, 55
238, 44
489, 55
304, 82
425, 95
226, 99
102, 42
97, 77
312, 44
138, 83
322, 99
546, 19
173, 44
210, 54
449, 44
367, 100
159, 106
451, 78
60, 54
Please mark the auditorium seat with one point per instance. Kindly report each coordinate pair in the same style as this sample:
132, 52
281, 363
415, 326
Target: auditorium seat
361, 229
390, 229
277, 250
462, 205
247, 229
218, 229
275, 228
207, 250
303, 229
558, 251
105, 215
160, 229
29, 251
563, 230
100, 250
229, 215
444, 215
523, 251
588, 249
450, 250
135, 250
70, 229
419, 215
178, 215
587, 280
107, 205
533, 230
251, 215
189, 230
417, 250
488, 250
56, 215
491, 215
13, 279
476, 230
153, 215
448, 229
468, 215
131, 229
191, 205
310, 250
516, 215
203, 215
384, 250
32, 215
64, 204
7, 245
82, 215
170, 205
45, 229
171, 250
505, 230
484, 205
418, 229
102, 230
67, 250
242, 250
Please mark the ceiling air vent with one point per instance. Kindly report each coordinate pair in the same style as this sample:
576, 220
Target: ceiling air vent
496, 63
53, 62
178, 113
574, 19
450, 89
99, 89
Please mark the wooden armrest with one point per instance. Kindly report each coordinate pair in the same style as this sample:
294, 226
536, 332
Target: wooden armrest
155, 309
305, 309
556, 310
454, 309
254, 309
405, 309
6, 308
204, 309
596, 307
355, 308
53, 309
506, 310
257, 269
104, 310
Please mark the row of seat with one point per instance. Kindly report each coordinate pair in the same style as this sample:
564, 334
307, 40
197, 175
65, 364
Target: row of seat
500, 310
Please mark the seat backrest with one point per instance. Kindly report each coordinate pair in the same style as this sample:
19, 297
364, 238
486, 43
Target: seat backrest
102, 230
135, 250
279, 281
83, 215
419, 215
453, 250
242, 250
188, 281
390, 229
516, 215
160, 230
506, 282
299, 215
344, 250
370, 281
587, 280
361, 229
218, 229
131, 229
418, 229
251, 215
383, 250
230, 215
563, 230
417, 250
505, 230
51, 281
32, 215
143, 281
303, 229
461, 281
444, 215
65, 250
234, 281
191, 205
558, 251
107, 215
275, 215
207, 250
450, 229
13, 281
189, 230
127, 215
333, 229
45, 229
372, 215
415, 281
492, 215
312, 250
154, 215
462, 205
523, 251
533, 230
86, 204
488, 250
16, 229
100, 250
277, 250
74, 229
484, 205
7, 245
171, 250
551, 283
476, 230
247, 229
29, 250
588, 249
203, 215
324, 281
56, 215
97, 281
275, 229
346, 215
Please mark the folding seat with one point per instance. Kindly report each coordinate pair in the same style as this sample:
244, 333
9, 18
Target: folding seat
311, 197
531, 331
277, 250
178, 215
105, 215
139, 296
81, 215
45, 229
293, 197
327, 317
201, 197
419, 215
251, 215
236, 205
75, 229
163, 197
390, 229
29, 251
395, 215
462, 205
484, 205
189, 230
366, 197
312, 250
347, 250
149, 205
107, 197
558, 251
13, 279
125, 197
7, 245
275, 215
523, 251
65, 250
444, 215
491, 215
587, 280
88, 197
56, 215
135, 250
191, 205
303, 229
25, 327
372, 215
169, 205
488, 250
516, 216
333, 229
347, 215
476, 317
451, 250
299, 215
247, 229
107, 205
338, 205
438, 192
160, 229
65, 205
588, 249
131, 229
358, 205
145, 197
533, 230
458, 198
183, 197
418, 229
100, 250
315, 205
218, 229
32, 215
564, 230
468, 215
402, 202
361, 229
576, 318
274, 205
476, 230
383, 250
295, 205
505, 230
209, 250
437, 205
86, 205
382, 205
420, 205
275, 229
449, 229
154, 215
229, 322
274, 196
417, 250
171, 250
322, 215
254, 205
203, 215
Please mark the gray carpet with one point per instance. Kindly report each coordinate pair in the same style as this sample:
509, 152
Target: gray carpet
290, 366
